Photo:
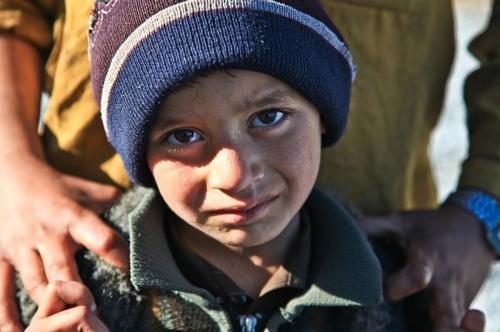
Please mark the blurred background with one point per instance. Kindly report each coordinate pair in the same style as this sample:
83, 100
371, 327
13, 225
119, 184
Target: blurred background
449, 142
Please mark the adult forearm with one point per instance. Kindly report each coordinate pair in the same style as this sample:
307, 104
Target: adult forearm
45, 215
20, 90
482, 168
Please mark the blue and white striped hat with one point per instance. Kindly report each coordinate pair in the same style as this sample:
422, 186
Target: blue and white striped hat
141, 50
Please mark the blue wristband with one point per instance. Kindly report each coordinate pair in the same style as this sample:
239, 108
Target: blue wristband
485, 208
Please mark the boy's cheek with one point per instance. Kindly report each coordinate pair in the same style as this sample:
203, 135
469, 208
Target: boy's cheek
297, 157
300, 147
178, 186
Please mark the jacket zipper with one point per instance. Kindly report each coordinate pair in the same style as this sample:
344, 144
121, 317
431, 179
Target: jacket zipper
248, 323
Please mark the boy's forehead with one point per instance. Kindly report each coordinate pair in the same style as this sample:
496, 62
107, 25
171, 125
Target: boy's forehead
239, 88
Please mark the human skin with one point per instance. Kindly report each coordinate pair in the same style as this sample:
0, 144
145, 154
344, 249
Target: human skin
66, 306
446, 254
45, 215
235, 155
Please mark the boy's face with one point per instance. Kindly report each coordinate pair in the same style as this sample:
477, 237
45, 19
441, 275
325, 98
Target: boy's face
235, 155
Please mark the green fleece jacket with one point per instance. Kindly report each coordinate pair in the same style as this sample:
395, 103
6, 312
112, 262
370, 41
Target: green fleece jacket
344, 283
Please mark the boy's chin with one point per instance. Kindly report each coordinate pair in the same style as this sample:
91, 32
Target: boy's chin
257, 235
239, 239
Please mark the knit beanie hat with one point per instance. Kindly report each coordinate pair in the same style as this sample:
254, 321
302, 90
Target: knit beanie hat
141, 50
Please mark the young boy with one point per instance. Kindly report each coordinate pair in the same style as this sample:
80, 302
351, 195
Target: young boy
222, 107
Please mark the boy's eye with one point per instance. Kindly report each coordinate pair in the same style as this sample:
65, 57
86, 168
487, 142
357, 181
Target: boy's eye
266, 118
183, 136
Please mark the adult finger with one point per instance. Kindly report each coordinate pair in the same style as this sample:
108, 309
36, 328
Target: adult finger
9, 317
94, 234
58, 258
79, 318
446, 307
93, 195
51, 303
31, 271
473, 321
65, 293
415, 275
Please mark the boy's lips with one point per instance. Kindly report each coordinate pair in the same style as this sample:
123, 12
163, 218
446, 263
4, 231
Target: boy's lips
245, 212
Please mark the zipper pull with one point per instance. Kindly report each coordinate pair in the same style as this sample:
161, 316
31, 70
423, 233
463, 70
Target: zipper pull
248, 323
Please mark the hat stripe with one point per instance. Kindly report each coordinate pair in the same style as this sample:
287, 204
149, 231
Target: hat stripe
191, 7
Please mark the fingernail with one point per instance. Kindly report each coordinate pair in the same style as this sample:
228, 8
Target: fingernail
93, 307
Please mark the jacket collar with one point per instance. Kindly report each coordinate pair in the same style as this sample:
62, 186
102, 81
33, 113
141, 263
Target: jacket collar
344, 270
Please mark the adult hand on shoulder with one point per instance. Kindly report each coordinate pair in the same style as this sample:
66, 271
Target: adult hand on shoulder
44, 215
45, 218
447, 253
66, 306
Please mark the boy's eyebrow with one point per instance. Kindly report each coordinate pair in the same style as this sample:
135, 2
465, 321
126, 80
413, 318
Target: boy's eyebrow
268, 96
162, 122
260, 99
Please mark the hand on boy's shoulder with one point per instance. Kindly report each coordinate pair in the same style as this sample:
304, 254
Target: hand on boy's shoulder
46, 217
445, 253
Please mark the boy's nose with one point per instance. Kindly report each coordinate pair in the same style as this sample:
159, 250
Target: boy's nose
234, 170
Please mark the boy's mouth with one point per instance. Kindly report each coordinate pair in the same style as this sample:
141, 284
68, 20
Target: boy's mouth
245, 212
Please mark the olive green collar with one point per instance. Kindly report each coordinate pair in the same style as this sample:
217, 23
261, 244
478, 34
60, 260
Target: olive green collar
343, 270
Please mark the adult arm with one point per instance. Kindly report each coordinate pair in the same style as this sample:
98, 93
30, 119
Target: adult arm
447, 249
44, 215
482, 167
